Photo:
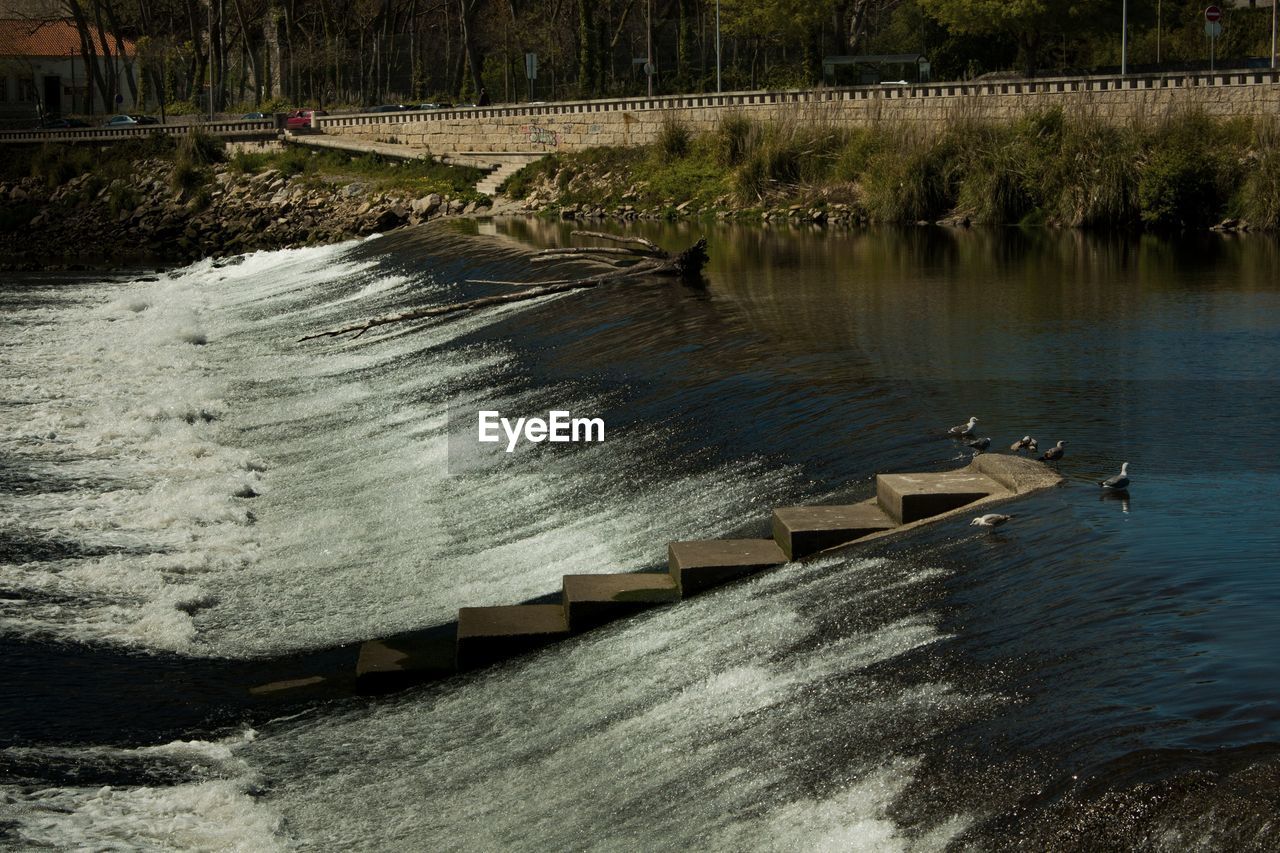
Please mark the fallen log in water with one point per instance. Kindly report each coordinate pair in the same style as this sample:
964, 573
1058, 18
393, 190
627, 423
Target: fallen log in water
651, 260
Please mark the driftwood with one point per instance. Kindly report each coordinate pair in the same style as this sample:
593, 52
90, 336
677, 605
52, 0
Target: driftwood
646, 261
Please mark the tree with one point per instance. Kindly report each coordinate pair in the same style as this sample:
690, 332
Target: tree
1032, 23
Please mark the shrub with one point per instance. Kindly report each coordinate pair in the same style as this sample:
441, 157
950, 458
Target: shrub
673, 138
294, 160
58, 163
1259, 199
1092, 181
736, 136
1183, 177
201, 148
854, 157
908, 182
186, 176
248, 162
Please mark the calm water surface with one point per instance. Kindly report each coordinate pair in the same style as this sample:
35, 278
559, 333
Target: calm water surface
1100, 672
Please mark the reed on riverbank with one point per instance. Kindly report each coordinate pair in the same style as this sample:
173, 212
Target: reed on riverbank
1183, 171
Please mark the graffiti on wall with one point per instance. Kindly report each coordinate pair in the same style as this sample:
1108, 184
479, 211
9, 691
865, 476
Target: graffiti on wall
540, 135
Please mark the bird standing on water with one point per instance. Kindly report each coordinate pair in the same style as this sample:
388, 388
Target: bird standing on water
965, 430
991, 519
1053, 454
1119, 482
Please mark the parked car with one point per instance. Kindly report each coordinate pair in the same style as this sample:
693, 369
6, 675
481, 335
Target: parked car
123, 120
255, 116
389, 108
301, 119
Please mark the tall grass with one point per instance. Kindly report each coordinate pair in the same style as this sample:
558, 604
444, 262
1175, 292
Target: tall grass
1059, 167
674, 138
1259, 198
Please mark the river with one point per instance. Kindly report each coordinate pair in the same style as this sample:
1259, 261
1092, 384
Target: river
195, 504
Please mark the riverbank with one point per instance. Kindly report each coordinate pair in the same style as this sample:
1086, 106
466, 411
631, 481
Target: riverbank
1187, 171
153, 202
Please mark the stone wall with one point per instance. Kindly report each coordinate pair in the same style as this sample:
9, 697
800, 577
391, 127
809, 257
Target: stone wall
575, 126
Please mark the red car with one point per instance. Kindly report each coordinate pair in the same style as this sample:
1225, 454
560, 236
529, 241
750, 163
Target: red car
301, 119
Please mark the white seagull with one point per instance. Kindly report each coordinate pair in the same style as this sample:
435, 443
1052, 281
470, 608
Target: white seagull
991, 519
1053, 454
964, 431
1119, 482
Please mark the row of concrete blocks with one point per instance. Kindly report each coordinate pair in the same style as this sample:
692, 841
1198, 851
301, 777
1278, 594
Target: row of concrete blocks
486, 635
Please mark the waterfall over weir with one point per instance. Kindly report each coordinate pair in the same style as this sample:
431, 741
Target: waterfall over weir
194, 504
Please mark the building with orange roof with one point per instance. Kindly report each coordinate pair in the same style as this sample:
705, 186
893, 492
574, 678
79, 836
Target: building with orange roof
46, 69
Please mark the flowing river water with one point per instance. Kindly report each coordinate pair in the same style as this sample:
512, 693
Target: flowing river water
194, 504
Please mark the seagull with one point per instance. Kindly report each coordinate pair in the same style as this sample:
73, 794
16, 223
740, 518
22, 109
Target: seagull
1033, 446
963, 431
991, 519
1119, 482
980, 444
1022, 443
1053, 454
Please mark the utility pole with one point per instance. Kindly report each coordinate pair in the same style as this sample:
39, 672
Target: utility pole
1274, 11
648, 65
718, 89
1158, 23
1124, 39
210, 60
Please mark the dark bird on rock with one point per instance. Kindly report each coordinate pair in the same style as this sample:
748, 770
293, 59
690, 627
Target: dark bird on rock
980, 444
1119, 482
964, 430
1053, 454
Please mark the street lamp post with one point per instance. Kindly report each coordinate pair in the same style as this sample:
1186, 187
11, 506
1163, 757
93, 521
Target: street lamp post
1124, 38
1158, 26
1274, 12
718, 89
648, 66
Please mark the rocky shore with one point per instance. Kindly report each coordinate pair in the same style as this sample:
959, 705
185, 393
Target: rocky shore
84, 223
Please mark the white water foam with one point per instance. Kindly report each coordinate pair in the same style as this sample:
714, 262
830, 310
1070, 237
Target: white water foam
239, 493
215, 811
736, 720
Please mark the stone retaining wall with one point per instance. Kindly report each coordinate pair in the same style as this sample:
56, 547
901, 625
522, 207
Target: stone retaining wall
574, 126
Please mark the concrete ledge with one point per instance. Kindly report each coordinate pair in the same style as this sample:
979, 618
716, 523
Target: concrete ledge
911, 497
592, 600
1018, 474
490, 634
697, 566
804, 530
406, 659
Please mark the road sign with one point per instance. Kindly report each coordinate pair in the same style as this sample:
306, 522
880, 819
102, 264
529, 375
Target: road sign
531, 66
1213, 14
1213, 29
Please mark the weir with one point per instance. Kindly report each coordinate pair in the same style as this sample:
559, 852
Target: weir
487, 635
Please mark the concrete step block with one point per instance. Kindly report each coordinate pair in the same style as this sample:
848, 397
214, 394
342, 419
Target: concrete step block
592, 600
697, 566
1018, 474
397, 662
803, 530
490, 634
911, 497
